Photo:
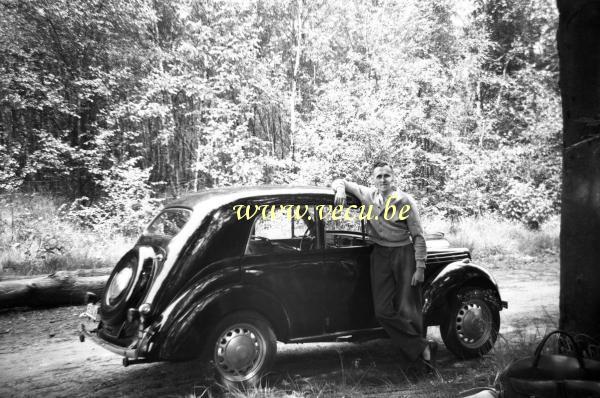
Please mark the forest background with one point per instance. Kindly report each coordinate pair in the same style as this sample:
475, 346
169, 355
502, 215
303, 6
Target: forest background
110, 107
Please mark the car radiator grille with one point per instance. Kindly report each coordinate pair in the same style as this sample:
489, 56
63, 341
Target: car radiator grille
436, 259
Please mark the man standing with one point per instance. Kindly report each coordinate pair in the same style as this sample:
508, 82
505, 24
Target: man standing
397, 260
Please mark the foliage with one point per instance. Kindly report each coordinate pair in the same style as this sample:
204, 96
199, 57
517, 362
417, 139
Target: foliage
36, 237
493, 235
525, 203
125, 207
113, 103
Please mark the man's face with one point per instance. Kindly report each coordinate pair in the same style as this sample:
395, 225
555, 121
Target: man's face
383, 178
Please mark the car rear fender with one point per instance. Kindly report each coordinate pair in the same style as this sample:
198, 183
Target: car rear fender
452, 279
184, 333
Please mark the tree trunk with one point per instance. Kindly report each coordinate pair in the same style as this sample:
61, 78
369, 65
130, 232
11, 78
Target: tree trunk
296, 67
579, 51
59, 288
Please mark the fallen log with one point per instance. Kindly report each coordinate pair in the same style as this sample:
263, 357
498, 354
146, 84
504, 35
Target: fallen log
78, 272
59, 288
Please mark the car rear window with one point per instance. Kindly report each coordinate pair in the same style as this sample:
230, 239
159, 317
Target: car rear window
169, 222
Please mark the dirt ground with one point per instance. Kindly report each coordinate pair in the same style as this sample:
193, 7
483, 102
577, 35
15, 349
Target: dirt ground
40, 353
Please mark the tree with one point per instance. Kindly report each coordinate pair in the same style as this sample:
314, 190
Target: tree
95, 94
579, 50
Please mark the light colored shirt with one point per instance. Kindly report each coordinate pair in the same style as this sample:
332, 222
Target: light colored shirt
391, 232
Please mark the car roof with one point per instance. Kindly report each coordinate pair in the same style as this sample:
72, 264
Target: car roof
227, 195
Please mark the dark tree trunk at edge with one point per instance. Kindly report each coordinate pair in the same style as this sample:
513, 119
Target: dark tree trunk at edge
579, 51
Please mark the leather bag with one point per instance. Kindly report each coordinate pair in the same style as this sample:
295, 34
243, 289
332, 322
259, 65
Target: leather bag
552, 376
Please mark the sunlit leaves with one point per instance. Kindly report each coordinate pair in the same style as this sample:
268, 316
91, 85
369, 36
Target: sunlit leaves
458, 98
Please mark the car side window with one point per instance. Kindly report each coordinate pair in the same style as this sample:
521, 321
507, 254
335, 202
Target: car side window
169, 222
275, 227
283, 228
343, 228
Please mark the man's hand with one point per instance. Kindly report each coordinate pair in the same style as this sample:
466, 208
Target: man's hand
340, 197
418, 276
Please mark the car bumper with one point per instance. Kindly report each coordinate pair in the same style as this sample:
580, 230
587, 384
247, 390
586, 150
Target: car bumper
136, 352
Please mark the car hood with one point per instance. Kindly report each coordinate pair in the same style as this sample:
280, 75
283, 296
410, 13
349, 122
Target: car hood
436, 243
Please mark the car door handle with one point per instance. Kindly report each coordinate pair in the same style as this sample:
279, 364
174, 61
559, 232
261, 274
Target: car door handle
255, 272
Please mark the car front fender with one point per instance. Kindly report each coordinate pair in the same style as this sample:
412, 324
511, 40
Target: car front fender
450, 280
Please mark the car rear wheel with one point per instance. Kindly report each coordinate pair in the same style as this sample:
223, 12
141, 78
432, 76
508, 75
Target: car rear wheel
243, 348
471, 327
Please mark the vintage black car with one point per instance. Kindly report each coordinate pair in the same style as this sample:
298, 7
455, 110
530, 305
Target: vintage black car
207, 278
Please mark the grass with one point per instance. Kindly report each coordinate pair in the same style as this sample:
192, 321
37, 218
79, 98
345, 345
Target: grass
383, 377
491, 235
374, 369
36, 238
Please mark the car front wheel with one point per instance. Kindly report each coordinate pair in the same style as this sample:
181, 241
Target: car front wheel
471, 327
243, 348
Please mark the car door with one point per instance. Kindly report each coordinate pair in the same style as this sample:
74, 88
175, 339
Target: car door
346, 258
285, 258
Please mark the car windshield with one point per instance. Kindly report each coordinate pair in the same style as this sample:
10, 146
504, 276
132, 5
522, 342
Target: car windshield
169, 222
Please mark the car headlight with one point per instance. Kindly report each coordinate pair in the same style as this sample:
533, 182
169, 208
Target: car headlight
118, 284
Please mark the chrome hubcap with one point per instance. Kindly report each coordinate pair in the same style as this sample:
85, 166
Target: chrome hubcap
474, 324
239, 352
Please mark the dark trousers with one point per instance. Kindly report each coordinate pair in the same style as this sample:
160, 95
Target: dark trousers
398, 305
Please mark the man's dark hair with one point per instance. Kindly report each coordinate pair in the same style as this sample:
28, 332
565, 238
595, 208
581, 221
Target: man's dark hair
381, 163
